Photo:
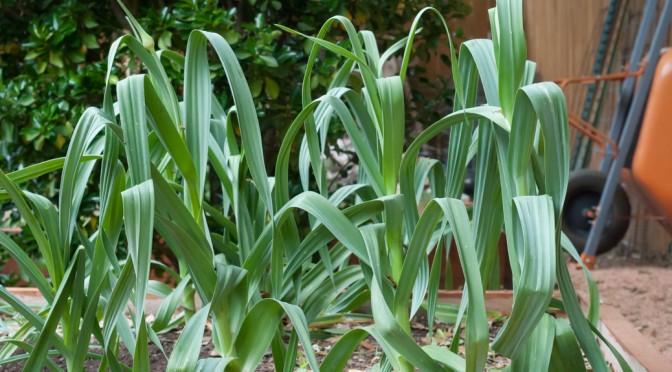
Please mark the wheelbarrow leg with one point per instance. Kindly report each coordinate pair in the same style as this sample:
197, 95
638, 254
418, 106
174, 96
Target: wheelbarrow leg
632, 122
625, 95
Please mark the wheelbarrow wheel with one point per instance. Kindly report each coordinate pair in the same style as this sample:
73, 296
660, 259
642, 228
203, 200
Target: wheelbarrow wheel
580, 210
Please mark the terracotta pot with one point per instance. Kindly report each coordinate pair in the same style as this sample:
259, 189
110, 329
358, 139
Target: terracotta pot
160, 252
505, 276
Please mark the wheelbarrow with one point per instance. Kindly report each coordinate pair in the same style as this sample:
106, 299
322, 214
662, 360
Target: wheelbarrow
596, 213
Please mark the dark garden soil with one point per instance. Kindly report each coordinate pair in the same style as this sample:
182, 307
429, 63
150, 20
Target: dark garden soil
366, 355
156, 359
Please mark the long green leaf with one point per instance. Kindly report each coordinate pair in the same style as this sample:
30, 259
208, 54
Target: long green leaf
536, 353
32, 318
27, 266
139, 221
53, 261
394, 340
36, 359
392, 100
247, 116
566, 355
141, 353
511, 51
36, 170
185, 353
341, 351
132, 112
258, 329
535, 289
76, 175
476, 337
116, 303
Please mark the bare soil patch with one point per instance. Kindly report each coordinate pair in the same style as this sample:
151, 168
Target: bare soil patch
641, 290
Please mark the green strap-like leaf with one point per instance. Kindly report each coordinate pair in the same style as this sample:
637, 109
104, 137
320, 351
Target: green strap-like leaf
334, 220
534, 291
566, 355
342, 350
460, 135
76, 174
197, 103
139, 221
593, 294
488, 214
36, 170
28, 348
132, 112
141, 353
52, 259
229, 302
580, 325
444, 356
408, 163
169, 305
89, 325
246, 110
195, 256
392, 101
511, 51
321, 235
536, 352
153, 65
27, 267
36, 359
185, 353
32, 318
399, 347
406, 59
259, 327
545, 102
323, 295
367, 157
116, 304
476, 336
480, 54
215, 364
167, 132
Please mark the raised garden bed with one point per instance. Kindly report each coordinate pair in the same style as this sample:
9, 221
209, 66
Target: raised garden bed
638, 350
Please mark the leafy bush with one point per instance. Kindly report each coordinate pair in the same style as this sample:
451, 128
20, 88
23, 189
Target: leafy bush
245, 257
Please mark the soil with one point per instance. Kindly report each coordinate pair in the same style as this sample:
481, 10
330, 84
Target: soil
366, 355
156, 359
641, 289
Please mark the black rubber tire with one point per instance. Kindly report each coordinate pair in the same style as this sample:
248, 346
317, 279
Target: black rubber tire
584, 191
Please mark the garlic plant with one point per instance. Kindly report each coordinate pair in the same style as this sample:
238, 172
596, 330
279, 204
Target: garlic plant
247, 260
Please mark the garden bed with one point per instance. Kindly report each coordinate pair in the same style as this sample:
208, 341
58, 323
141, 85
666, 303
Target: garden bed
367, 354
635, 347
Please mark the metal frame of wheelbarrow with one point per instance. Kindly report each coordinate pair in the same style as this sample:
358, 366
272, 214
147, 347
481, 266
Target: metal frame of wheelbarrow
628, 117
